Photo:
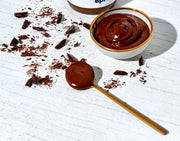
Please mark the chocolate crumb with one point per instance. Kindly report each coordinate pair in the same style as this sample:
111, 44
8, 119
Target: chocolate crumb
26, 24
132, 74
21, 14
119, 72
141, 61
39, 28
86, 25
14, 42
61, 44
138, 71
76, 44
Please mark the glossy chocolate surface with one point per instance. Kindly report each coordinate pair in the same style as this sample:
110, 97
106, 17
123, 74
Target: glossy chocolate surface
80, 75
121, 31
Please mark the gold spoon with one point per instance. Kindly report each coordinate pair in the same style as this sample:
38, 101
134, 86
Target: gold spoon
80, 75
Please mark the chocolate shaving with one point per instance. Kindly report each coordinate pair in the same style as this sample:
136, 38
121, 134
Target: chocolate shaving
4, 45
119, 72
38, 80
83, 60
59, 18
14, 42
23, 37
71, 30
21, 14
58, 65
26, 24
71, 58
47, 35
86, 25
141, 61
39, 28
61, 44
29, 53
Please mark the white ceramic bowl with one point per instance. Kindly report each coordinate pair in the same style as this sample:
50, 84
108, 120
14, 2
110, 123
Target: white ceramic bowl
123, 53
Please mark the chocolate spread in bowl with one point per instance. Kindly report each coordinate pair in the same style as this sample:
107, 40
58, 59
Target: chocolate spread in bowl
121, 31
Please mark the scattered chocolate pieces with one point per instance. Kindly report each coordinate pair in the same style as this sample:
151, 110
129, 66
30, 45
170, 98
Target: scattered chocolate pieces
71, 30
113, 83
21, 14
26, 24
14, 42
39, 28
61, 44
86, 25
39, 80
119, 72
29, 53
141, 61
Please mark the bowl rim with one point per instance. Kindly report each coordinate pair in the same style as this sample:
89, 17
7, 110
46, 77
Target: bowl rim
121, 50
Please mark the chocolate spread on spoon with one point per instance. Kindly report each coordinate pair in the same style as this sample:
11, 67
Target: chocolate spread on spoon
80, 75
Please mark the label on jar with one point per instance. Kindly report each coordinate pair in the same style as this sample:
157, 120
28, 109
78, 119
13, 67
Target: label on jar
91, 3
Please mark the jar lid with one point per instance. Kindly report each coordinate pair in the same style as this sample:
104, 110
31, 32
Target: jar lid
91, 6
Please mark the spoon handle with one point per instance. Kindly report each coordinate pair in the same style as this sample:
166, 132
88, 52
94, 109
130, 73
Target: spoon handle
133, 111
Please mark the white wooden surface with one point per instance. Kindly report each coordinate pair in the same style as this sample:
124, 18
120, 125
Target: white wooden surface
61, 113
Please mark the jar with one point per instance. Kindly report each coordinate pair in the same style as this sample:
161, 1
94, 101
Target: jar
91, 6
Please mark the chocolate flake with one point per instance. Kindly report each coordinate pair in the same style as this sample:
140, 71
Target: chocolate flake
86, 25
47, 35
39, 28
71, 30
14, 42
141, 61
71, 58
23, 37
61, 44
4, 45
26, 24
21, 14
59, 18
119, 72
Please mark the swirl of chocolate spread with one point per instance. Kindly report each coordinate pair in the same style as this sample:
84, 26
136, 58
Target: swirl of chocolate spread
121, 31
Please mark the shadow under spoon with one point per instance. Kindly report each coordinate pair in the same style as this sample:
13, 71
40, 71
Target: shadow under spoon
80, 76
